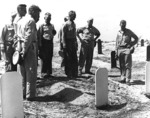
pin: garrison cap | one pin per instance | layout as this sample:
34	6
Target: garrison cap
90	19
47	13
66	18
122	22
13	14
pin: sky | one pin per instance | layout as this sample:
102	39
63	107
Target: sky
106	13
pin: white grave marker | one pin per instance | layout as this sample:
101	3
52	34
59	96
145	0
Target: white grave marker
12	95
147	77
101	87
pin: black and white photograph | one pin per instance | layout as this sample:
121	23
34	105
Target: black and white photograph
74	59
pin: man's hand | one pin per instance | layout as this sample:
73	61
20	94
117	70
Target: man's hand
76	46
132	50
22	53
116	55
84	41
64	44
95	43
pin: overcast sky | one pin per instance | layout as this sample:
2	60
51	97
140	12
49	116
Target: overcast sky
106	13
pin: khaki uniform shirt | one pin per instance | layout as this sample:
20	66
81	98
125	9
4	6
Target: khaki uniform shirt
124	41
27	31
88	33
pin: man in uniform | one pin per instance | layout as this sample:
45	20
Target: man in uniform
88	39
46	34
21	12
124	49
6	44
69	43
28	68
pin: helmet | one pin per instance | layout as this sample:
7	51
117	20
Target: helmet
16	58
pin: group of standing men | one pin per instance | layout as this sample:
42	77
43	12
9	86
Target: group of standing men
39	43
22	30
36	43
68	43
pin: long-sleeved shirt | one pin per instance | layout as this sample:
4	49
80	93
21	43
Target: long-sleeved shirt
124	39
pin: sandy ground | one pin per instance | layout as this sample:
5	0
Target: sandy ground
62	97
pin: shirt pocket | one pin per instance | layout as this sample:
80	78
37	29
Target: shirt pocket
126	39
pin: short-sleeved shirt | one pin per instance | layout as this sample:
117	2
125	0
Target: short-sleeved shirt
88	33
47	31
7	36
124	39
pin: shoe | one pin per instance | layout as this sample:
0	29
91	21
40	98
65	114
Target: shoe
39	78
47	76
88	72
24	97
43	75
30	99
80	73
129	81
69	76
123	79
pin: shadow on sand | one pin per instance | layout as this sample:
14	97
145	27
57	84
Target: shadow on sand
42	82
113	76
65	95
111	107
138	82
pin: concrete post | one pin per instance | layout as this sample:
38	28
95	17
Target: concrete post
12	95
147	77
142	42
148	53
101	87
99	46
113	59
